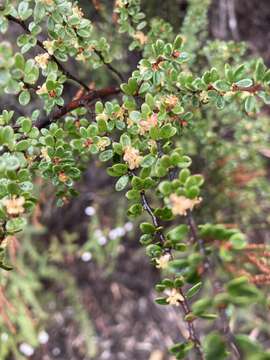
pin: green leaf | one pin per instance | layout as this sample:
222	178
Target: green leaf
121	183
24	97
147	228
250	104
193	290
106	155
259	71
221	85
148	161
178	233
167	131
238	241
244	83
215	347
15	225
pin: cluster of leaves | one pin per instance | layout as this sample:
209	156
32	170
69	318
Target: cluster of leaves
142	136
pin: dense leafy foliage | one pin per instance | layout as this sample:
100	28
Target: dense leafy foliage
177	104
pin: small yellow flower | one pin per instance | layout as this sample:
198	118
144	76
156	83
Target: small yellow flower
163	261
139	35
49	46
132	157
42	89
14	206
174	297
181	204
42	60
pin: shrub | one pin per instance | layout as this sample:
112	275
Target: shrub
182	101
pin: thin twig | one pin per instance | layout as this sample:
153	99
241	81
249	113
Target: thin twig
74	104
215	283
109	66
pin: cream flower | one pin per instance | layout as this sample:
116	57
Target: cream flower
81	57
103	143
49	44
139	35
181	204
120	113
44	154
119	3
163	261
77	11
14	206
204	98
132	157
102	116
42	60
171	101
146	125
42	90
174	297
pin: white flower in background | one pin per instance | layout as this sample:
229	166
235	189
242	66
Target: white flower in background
4	337
26	349
43	337
128	226
56	351
86	256
102	240
117	232
90	211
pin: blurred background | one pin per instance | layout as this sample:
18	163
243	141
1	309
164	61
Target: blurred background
82	285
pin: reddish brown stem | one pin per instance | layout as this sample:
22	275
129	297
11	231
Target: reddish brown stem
74	104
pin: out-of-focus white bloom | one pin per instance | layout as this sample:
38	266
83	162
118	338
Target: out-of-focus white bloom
98	233
26	349
116	233
102	240
56	351
86	256
4	337
128	226
90	211
43	337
